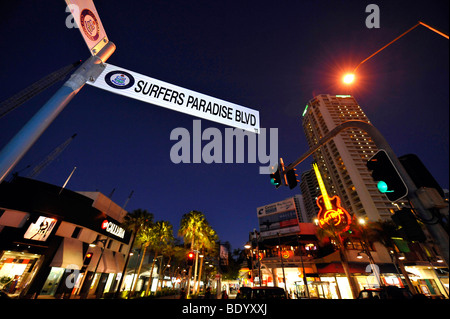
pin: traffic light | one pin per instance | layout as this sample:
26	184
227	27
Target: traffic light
275	177
419	174
190	258
385	173
408	225
292	178
87	259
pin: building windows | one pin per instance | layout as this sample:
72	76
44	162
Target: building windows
76	232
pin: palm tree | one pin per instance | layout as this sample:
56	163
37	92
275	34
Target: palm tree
384	232
330	232
137	219
161	236
144	238
194	228
207	244
135	222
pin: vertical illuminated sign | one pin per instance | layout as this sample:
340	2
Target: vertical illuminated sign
331	213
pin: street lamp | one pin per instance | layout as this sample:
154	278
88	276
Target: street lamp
248	246
349	78
94	244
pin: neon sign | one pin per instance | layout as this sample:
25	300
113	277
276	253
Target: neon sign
112	228
331	213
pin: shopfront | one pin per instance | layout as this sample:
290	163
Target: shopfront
17	270
43	255
429	280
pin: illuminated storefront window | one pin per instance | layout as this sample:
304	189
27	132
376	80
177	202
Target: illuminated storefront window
52	282
17	269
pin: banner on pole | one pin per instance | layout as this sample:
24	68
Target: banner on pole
137	86
88	21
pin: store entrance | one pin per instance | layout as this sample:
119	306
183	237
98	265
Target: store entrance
17	270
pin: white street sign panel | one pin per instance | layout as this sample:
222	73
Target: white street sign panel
88	21
137	86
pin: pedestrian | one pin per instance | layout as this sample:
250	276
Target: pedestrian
182	294
224	294
208	293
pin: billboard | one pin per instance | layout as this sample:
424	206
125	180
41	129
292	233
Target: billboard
279	217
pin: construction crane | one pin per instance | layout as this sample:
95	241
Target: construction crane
37	87
50	158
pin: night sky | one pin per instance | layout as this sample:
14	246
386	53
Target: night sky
265	55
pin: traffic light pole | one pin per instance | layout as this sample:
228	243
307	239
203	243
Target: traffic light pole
13	152
440	236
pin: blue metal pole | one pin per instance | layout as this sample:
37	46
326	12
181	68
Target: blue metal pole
13	152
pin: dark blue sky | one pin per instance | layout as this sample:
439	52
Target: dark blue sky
264	55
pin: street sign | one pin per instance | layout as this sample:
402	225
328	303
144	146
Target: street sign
140	87
88	21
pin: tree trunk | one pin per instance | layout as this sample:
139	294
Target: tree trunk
139	270
344	261
404	273
190	272
161	278
150	281
195	274
200	274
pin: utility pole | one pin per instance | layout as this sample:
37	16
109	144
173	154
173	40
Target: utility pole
13	152
34	89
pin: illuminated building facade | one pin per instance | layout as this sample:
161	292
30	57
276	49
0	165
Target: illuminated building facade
342	161
56	243
310	191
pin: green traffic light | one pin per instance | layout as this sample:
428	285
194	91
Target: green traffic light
383	187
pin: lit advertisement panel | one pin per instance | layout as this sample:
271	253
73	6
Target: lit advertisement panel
279	217
41	229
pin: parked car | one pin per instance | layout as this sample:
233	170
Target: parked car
387	292
261	293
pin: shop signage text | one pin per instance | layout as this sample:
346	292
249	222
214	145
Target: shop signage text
114	229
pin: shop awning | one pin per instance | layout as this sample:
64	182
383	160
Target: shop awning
336	268
107	263
69	254
120	261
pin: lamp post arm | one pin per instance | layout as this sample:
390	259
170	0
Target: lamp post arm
384	47
409	30
433	29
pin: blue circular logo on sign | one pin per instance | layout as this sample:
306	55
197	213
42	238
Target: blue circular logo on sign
119	79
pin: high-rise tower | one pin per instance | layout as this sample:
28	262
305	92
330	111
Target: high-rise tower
342	161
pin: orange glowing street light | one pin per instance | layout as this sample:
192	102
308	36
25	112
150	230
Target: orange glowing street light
349	78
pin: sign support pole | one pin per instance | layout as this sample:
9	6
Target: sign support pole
13	152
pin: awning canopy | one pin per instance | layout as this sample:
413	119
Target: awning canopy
120	261
107	263
336	267
69	254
